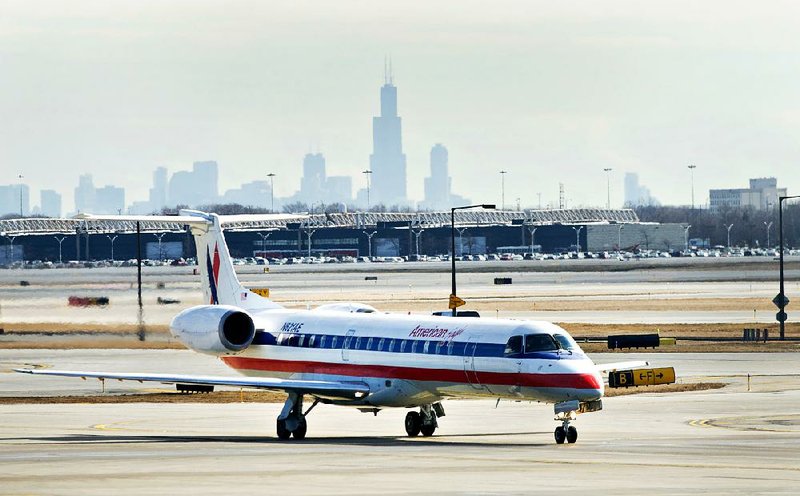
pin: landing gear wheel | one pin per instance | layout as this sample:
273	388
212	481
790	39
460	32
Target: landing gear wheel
572	435
560	434
283	432
413	424
300	432
428	429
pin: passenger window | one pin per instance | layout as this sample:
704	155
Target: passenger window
514	346
358	343
334	340
301	341
450	348
369	344
403	346
391	345
539	342
311	341
380	344
414	346
322	341
425	346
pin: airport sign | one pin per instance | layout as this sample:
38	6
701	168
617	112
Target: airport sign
641	377
781	316
778	298
456	302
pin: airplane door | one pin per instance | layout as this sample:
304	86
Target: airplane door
469	362
348	340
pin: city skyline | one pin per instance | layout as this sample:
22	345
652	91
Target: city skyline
647	89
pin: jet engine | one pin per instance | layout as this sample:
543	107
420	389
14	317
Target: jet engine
214	329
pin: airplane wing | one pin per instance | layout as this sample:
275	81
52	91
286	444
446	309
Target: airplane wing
608	367
322	388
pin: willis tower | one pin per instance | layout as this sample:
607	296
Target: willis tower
388	162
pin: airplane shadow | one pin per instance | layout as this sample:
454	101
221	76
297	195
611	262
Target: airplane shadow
379	441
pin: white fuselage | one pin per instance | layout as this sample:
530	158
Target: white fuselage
416	360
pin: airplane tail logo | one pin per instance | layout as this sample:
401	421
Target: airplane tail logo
212	267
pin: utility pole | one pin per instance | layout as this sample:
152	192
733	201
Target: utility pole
608	187
503	189
768	226
577	239
112	239
729	235
367	173
20	195
692	167
310	233
686	236
60	240
271	177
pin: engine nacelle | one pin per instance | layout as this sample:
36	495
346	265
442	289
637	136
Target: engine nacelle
214	329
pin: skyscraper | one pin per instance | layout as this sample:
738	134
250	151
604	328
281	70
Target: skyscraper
388	162
51	203
437	187
158	193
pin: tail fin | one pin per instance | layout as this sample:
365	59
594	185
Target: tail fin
218	279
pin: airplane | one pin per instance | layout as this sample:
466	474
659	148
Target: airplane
350	354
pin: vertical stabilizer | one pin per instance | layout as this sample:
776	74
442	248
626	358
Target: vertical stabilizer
218	278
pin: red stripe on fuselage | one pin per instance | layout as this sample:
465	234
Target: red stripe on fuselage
575	381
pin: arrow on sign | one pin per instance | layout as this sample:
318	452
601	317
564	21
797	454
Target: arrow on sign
641	377
456	302
778	298
660	375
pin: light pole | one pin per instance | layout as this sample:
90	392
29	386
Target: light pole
577	239
532	230
159	236
540	200
503	189
271	177
461	231
729	234
686	236
608	187
781	299
692	167
453	246
768	226
417	234
60	240
367	173
369	242
20	195
112	239
619	238
310	233
263	243
10	257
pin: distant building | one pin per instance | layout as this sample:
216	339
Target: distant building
438	187
388	162
762	194
195	187
50	203
105	200
317	187
10	199
85	194
109	200
637	195
158	193
253	194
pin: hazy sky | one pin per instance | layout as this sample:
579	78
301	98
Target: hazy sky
549	91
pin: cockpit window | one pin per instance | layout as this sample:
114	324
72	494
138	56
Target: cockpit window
514	346
565	342
540	342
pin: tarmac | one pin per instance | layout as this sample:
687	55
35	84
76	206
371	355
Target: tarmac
725	441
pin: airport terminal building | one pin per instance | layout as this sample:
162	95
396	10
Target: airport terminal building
349	234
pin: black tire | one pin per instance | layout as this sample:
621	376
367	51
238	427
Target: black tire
560	434
283	433
413	424
300	432
428	430
572	435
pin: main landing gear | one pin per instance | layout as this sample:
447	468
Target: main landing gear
565	432
292	421
424	421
